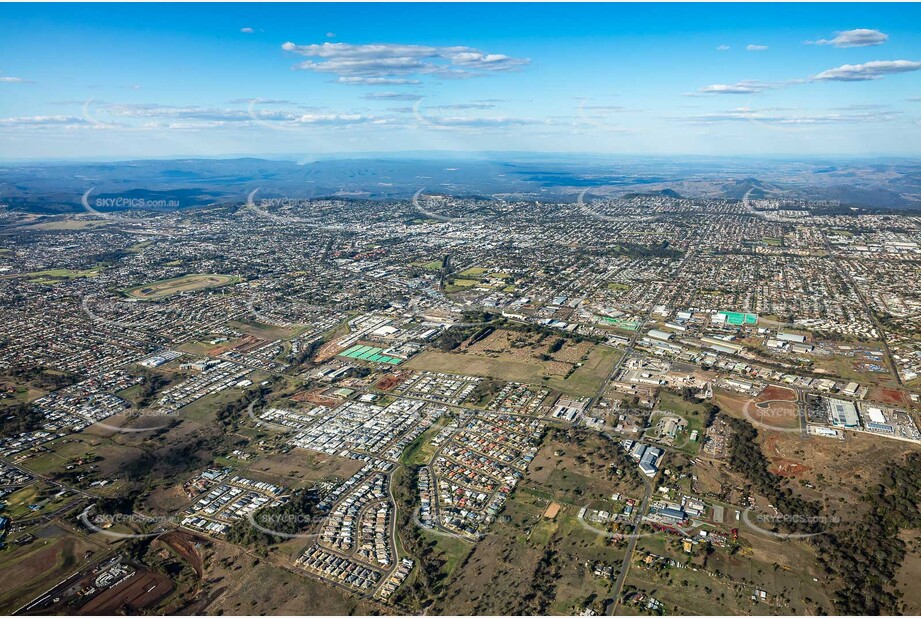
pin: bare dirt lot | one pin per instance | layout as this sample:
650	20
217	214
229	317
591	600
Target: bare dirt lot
142	590
889	396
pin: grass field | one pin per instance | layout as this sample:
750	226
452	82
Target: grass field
503	574
474	271
68	224
433	265
55	275
583	381
187	283
39	565
721	583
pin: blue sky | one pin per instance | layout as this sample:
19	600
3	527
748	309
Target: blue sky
118	81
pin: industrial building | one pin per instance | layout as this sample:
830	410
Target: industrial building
843	413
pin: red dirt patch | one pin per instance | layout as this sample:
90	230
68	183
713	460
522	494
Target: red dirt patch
787	468
388	382
184	545
781	415
328	351
779	464
889	396
317	397
777	393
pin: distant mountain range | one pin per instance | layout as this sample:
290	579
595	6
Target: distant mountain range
189	183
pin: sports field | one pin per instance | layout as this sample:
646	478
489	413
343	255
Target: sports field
738	319
186	283
370	353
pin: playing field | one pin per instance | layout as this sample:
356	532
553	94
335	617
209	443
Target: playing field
738	319
187	283
370	353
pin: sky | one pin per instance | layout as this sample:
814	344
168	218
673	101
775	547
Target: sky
118	81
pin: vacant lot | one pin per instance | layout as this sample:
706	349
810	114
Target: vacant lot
38	566
187	283
255	588
303	468
528	564
784	572
575	467
513	367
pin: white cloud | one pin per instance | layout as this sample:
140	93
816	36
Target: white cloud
330	35
783	116
14	80
392	96
378	81
42	121
860	37
398	64
261	101
744	87
867	71
722	48
157	116
247	30
463	106
756	47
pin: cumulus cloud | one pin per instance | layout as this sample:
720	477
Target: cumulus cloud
247	30
867	71
397	64
756	47
722	48
860	37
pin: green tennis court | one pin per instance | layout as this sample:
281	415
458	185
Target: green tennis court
370	354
